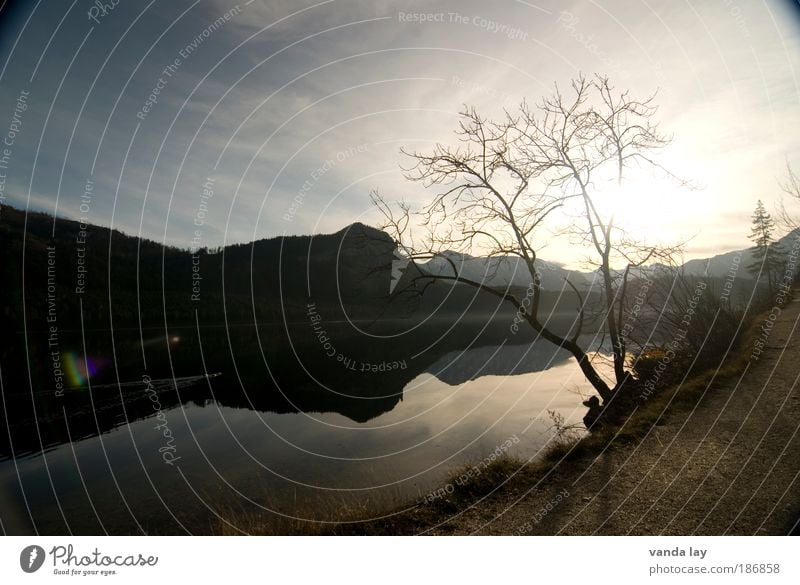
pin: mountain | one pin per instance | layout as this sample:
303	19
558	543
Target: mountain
501	272
295	323
288	324
505	271
98	265
734	263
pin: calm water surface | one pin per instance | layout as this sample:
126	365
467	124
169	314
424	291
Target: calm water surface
200	464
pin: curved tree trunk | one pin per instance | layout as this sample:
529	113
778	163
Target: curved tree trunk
571	346
581	356
611	323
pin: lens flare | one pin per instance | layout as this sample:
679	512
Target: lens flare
79	370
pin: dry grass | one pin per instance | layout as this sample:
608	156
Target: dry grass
312	516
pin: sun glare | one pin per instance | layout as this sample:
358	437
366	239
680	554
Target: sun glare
647	208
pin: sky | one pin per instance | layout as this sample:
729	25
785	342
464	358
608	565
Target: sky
210	122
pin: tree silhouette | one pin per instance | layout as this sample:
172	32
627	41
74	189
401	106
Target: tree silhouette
509	179
767	254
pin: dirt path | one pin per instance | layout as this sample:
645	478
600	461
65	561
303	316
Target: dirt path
730	466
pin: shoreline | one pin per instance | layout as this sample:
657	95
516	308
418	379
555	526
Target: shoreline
596	484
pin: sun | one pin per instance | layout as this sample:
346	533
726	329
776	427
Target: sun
648	209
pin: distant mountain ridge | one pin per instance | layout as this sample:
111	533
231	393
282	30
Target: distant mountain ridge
353	264
505	271
511	270
734	261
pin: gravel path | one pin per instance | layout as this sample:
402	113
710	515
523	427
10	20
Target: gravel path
730	466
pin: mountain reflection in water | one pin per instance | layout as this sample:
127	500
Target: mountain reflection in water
304	435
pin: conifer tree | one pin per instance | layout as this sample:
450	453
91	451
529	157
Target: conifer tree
767	255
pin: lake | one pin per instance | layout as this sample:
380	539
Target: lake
192	454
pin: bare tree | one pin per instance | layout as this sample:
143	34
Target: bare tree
790	185
507	180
